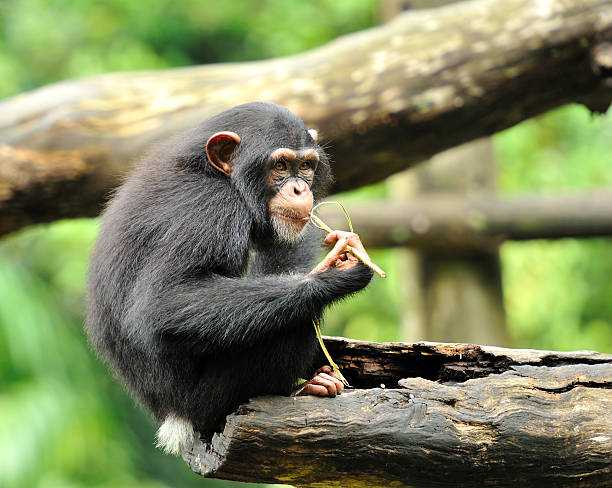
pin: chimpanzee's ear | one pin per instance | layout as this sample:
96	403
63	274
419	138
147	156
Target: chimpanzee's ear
314	134
220	149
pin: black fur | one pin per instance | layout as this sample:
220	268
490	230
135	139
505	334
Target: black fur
175	307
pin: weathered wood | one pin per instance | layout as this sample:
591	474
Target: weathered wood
383	99
38	187
429	415
456	223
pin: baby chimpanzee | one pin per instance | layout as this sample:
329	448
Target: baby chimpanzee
202	291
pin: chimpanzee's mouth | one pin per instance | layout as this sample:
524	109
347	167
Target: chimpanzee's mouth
291	217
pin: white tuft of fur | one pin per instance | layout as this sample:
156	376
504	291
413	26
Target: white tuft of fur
287	231
175	435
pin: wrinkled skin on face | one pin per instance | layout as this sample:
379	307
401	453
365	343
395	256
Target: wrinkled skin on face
291	175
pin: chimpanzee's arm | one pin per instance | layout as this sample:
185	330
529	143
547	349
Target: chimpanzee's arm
221	312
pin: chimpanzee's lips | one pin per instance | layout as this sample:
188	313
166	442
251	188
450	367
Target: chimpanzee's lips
292	218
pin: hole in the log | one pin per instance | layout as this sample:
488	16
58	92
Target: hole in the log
368	373
368	365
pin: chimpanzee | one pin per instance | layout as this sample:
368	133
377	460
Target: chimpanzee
202	291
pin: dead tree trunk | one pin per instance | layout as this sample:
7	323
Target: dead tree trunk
387	98
429	415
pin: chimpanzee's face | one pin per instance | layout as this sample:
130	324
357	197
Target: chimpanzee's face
290	176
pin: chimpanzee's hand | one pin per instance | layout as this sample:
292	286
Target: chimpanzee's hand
323	383
338	258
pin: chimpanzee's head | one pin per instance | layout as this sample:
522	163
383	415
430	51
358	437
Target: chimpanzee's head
273	160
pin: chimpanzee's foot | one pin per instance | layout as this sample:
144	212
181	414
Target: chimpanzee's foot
323	383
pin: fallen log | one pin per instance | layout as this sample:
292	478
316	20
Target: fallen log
429	415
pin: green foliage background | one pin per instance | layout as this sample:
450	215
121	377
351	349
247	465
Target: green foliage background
63	421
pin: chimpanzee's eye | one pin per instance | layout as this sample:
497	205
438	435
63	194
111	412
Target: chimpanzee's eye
305	166
280	165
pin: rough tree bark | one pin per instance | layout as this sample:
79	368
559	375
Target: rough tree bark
429	415
383	98
462	224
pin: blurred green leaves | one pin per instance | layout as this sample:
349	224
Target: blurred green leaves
558	293
42	41
563	151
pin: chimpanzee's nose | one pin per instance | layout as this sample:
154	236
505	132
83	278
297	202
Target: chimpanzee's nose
299	187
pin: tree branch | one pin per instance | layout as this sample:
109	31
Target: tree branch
457	223
383	99
448	415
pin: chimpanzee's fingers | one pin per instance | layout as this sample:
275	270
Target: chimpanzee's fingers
310	389
355	242
337	250
329	370
335	235
327	381
323	383
332	237
332	377
329	261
